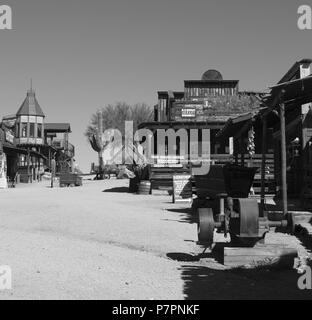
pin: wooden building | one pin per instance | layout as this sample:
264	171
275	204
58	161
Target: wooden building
204	104
298	119
57	138
30	136
285	123
34	143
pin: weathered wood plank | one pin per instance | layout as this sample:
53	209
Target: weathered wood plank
260	255
260	251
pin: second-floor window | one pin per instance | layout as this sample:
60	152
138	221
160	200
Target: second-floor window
39	130
31	130
24	130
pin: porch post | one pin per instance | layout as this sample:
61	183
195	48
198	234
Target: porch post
264	151
235	142
283	155
28	166
242	151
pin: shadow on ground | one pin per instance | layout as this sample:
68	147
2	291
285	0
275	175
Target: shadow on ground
187	215
117	190
215	254
261	283
304	237
203	283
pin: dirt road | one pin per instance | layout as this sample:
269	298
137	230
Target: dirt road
99	242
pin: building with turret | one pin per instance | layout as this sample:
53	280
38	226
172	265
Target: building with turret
35	142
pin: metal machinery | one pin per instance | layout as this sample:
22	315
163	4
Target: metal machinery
241	220
238	216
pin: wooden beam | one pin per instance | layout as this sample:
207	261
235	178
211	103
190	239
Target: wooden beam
236	146
28	165
261	255
242	151
263	165
284	158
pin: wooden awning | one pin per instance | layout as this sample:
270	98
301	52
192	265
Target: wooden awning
235	125
292	92
12	149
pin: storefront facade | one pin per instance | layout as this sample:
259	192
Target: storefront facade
204	104
28	146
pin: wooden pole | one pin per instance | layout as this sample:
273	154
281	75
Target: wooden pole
28	166
264	151
100	133
284	159
235	151
53	169
242	150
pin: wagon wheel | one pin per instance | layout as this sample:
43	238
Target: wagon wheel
206	226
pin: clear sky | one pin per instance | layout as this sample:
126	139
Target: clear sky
84	54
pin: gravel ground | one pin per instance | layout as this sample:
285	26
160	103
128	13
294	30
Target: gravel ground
99	242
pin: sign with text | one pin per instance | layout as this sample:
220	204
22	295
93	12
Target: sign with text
3	169
189	113
9	137
182	188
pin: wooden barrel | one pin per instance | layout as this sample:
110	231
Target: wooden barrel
134	184
144	187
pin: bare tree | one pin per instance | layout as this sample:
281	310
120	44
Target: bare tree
114	117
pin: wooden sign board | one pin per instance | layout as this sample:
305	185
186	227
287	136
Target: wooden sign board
182	188
3	169
188	113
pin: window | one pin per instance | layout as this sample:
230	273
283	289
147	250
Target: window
39	130
31	130
18	130
24	130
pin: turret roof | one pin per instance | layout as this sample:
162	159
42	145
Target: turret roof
30	106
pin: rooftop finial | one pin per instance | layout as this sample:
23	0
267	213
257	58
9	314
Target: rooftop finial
31	92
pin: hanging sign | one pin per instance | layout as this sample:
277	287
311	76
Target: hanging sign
3	169
9	137
189	113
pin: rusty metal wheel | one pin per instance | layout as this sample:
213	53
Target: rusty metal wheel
206	226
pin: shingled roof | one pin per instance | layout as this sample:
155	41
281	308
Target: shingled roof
57	127
30	106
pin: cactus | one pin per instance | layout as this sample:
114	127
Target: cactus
97	143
